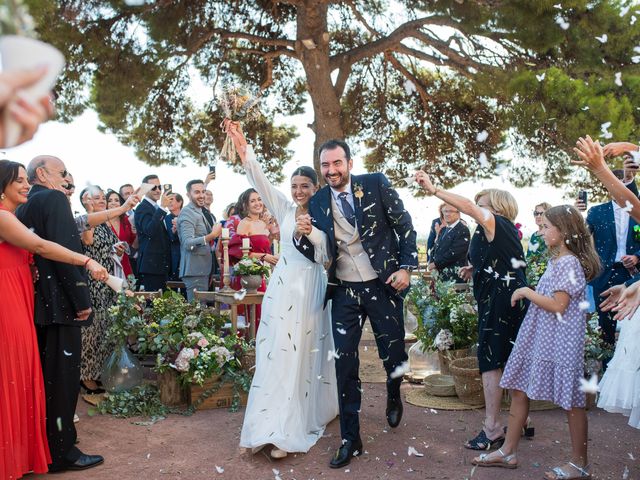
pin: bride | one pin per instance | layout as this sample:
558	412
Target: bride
620	385
293	395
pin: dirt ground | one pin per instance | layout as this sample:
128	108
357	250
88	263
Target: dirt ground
191	447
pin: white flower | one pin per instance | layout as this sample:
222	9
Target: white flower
184	357
444	340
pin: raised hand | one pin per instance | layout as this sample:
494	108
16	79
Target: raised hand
232	129
628	303
87	202
131	202
303	225
615	149
590	153
425	182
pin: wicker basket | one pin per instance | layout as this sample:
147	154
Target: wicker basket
467	380
447	356
439	385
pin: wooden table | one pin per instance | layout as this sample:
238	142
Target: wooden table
250	300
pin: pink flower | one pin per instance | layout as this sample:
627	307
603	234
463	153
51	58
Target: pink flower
203	342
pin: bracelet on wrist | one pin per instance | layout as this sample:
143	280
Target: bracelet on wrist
86	262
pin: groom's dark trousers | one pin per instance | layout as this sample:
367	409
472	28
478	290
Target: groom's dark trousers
352	303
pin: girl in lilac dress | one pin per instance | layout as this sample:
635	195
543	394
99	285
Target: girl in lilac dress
547	361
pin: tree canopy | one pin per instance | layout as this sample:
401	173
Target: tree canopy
442	84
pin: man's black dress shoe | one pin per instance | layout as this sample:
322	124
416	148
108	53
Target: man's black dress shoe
84	462
394	411
343	456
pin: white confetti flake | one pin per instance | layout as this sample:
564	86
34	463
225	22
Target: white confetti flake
489	270
341	331
413	451
148	456
482	159
589	386
68	354
624	10
572	277
627	206
603	38
508	278
562	22
559	317
633	19
631	457
433	411
276	474
400	370
410	180
219	469
482	136
541	76
604	129
584	305
239	295
534	246
558	6
516	263
409	87
618	79
331	354
625	473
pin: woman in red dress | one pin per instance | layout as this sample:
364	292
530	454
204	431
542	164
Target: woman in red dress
250	209
23	435
122	228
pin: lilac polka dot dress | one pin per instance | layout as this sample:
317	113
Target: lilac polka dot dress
547	361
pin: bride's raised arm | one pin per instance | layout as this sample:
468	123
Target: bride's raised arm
276	201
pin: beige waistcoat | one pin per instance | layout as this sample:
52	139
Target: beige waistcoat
352	264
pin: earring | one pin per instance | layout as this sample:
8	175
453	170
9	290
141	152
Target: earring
2	197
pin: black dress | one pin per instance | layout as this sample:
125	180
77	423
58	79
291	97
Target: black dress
494	281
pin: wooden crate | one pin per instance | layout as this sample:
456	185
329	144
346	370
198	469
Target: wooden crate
222	398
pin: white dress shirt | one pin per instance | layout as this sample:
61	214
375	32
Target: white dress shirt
622	229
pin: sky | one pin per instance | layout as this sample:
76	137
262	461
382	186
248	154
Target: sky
94	157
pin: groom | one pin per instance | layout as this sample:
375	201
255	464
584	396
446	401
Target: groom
373	249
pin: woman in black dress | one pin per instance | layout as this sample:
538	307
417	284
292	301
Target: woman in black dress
498	269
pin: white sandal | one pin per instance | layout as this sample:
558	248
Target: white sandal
503	461
560	474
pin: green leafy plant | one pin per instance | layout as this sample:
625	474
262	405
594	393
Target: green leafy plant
251	266
142	401
596	350
448	316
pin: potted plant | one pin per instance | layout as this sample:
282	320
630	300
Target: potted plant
122	371
251	271
449	319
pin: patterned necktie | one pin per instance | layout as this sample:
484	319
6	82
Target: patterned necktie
347	209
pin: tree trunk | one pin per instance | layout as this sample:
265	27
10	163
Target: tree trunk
312	31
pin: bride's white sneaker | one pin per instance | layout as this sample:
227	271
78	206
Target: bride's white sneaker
277	453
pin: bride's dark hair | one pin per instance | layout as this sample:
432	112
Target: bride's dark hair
308	172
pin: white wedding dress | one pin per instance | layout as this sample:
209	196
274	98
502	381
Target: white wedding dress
293	395
620	385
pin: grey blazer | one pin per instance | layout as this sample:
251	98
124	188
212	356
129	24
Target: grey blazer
195	252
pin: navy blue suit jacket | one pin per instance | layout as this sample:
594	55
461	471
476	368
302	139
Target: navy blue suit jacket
601	222
154	250
385	227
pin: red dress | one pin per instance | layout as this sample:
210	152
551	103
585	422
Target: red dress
125	235
259	244
23	430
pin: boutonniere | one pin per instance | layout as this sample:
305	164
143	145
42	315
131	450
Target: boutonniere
357	192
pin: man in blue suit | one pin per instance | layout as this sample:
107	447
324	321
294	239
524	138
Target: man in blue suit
154	248
372	245
617	240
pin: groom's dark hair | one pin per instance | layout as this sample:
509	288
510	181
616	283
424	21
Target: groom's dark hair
333	144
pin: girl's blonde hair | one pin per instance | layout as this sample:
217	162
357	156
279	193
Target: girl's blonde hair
501	202
544	205
576	237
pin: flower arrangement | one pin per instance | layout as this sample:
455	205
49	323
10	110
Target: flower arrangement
448	317
595	348
238	105
16	20
251	266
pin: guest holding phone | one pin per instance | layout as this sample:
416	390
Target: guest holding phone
121	227
176	202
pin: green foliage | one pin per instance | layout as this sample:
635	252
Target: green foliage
595	348
414	94
443	310
142	401
251	266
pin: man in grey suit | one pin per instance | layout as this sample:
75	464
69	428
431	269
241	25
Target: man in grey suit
196	234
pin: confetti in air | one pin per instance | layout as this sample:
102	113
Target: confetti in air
482	158
516	263
239	295
482	136
589	386
541	76
618	79
219	469
603	38
562	22
409	87
584	305
400	370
